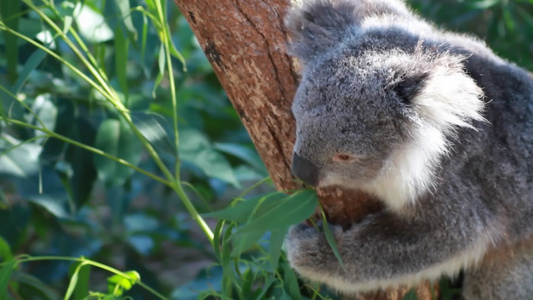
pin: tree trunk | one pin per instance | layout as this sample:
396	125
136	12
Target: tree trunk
245	42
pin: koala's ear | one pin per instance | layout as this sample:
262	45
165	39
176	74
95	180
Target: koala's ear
316	25
409	86
448	97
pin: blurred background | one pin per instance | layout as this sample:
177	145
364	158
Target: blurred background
59	200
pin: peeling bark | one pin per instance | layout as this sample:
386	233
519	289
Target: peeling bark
245	42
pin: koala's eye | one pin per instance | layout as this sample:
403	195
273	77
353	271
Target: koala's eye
343	158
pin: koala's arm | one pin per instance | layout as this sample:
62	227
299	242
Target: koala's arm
438	236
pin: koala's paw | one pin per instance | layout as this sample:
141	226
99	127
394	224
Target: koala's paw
308	250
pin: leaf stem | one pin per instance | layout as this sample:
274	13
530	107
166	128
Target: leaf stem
177	186
83	260
89	148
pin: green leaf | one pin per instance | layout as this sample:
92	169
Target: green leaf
118	284
22	161
46	110
15	222
174	52
3	199
245	241
121	59
125	14
66	9
246	154
31	64
144	37
265	288
79	281
294	209
115	138
277	237
72	284
30	285
141	243
55	206
5	275
331	239
84	172
411	295
247	279
92	26
217	241
54	149
196	149
484	4
208	279
9	12
162	60
152	126
291	283
5	250
225	253
243	210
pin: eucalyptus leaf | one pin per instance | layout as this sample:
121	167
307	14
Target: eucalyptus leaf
125	16
143	244
245	153
5	250
116	138
31	285
196	148
294	209
80	289
72	285
5	274
277	237
3	199
46	110
245	241
54	149
31	64
291	283
244	210
411	295
155	129
118	284
84	173
66	9
9	11
331	240
121	60
55	206
46	189
207	279
20	162
92	25
15	221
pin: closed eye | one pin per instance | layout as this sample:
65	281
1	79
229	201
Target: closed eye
344	158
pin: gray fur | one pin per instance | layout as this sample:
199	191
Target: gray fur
380	85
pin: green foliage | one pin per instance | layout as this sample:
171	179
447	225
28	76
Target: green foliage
117	143
506	26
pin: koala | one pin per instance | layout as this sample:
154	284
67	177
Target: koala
431	123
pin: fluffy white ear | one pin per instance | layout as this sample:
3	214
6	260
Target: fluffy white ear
445	98
449	97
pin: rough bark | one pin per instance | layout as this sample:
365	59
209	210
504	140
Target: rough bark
245	42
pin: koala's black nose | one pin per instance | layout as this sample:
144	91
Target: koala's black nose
304	169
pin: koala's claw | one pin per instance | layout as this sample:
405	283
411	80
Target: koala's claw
308	248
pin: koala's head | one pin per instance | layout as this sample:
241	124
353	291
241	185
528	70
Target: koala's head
369	114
